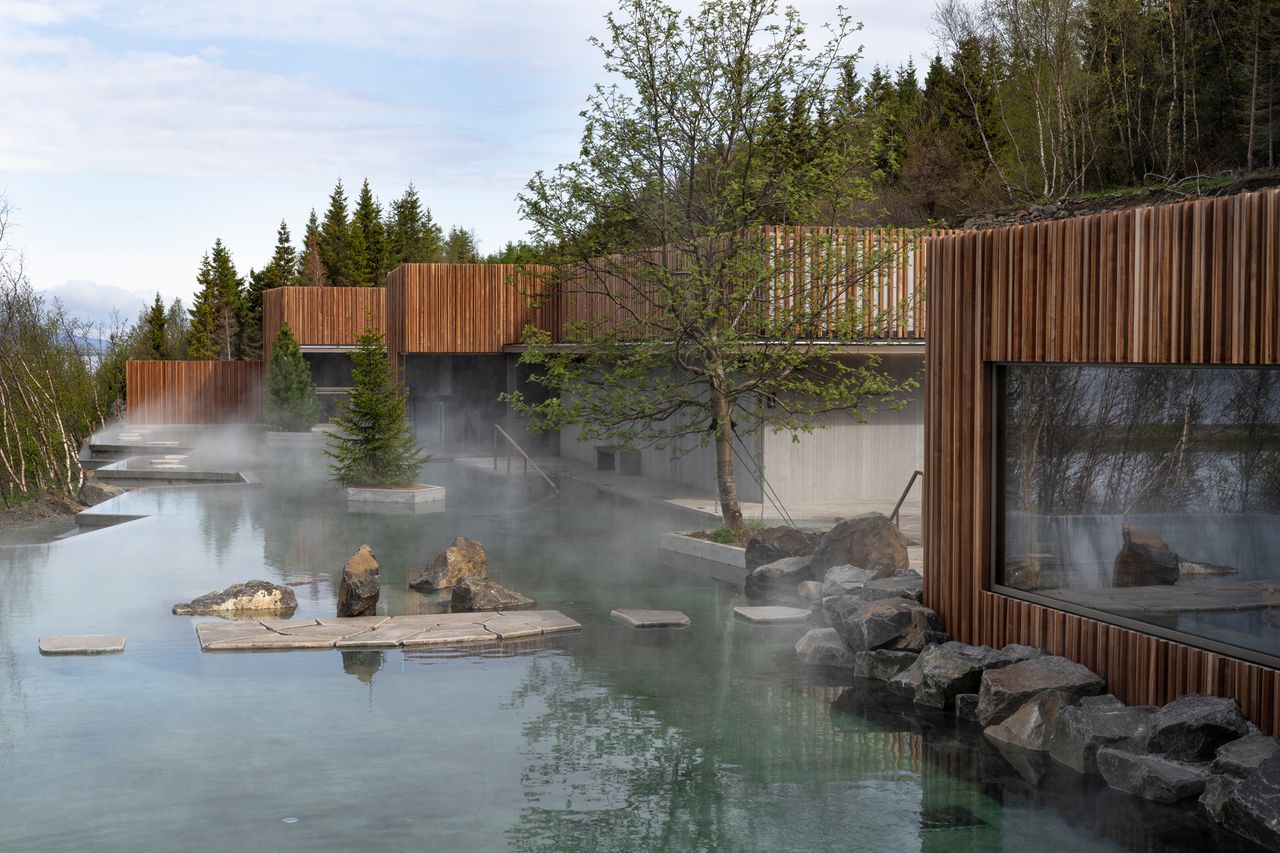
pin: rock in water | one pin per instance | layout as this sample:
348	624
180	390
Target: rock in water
777	581
93	492
250	597
1152	777
471	594
1193	727
775	543
868	541
1005	690
465	558
1145	560
360	586
892	623
1029	726
1253	808
950	669
823	647
1080	731
881	664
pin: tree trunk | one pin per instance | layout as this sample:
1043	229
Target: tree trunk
726	487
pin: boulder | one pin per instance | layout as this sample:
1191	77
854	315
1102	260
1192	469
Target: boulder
881	664
471	594
1253	808
949	669
1106	700
777	580
1029	726
967	707
1004	690
1217	790
1145	560
1241	757
823	647
907	682
92	492
254	596
1079	732
360	585
869	541
1152	777
906	585
809	591
893	623
775	543
1193	727
465	558
845	580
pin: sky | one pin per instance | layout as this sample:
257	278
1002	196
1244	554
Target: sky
135	132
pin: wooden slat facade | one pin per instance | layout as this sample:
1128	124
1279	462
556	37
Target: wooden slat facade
193	392
321	315
463	308
1190	283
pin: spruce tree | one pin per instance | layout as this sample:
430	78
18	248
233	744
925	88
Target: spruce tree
335	240
153	341
412	236
177	330
292	405
460	247
218	315
280	271
375	444
310	268
367	231
200	343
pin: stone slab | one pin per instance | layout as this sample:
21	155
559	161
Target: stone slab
387	636
82	644
333	632
419	494
450	635
550	621
359	621
287	624
651	618
509	626
220	632
773	614
272	640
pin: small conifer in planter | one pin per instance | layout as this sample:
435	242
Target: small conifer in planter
291	395
375	445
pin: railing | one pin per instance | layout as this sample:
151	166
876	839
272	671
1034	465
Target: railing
499	431
893	516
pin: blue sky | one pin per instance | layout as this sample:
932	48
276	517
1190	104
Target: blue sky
137	132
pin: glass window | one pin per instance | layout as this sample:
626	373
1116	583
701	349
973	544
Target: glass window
1150	493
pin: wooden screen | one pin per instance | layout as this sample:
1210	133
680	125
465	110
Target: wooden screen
321	315
1190	283
193	392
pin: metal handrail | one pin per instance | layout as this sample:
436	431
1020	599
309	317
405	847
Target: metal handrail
893	516
499	431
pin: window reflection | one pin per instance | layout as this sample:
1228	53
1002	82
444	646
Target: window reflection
1149	492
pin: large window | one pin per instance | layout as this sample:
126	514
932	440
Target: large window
1146	493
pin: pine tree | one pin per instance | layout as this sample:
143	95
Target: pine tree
375	444
369	234
335	241
460	247
218	315
177	329
292	405
153	341
412	236
310	268
280	271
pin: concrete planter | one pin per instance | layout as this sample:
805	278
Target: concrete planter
703	549
419	493
294	439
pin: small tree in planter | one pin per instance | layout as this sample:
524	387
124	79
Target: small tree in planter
291	395
375	445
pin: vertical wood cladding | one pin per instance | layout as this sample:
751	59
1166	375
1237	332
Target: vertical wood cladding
1190	283
321	315
193	392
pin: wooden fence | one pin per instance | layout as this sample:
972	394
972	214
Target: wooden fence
333	316
1192	283
193	392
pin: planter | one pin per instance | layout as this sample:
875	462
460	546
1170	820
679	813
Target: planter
419	493
704	549
294	439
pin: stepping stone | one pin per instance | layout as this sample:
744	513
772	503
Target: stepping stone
511	626
82	644
652	618
550	621
223	631
772	614
286	624
360	621
332	632
449	635
388	635
272	640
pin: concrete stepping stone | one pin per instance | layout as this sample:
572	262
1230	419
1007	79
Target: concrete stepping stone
82	644
450	635
385	636
511	627
359	621
272	640
223	631
333	632
550	621
772	614
286	624
651	618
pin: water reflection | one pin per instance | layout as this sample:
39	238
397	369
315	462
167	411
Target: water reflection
363	664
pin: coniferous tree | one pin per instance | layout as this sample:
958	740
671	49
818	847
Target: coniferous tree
460	247
368	233
375	444
177	328
280	271
153	340
292	405
412	236
218	315
335	241
310	267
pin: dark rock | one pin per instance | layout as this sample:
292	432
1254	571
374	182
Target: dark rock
1193	727
967	707
1106	700
909	585
471	594
254	596
92	492
777	580
465	558
1079	732
823	647
1145	560
1152	777
809	591
360	585
1217	791
845	580
1253	808
894	623
949	669
1241	757
774	543
881	664
1029	726
907	682
1004	690
869	541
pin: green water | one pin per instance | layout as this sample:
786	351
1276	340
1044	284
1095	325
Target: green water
708	738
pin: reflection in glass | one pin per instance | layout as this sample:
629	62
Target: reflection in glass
1148	492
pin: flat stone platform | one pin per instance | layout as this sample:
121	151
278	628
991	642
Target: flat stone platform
773	614
380	632
82	644
651	618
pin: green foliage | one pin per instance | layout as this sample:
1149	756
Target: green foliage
280	271
292	405
375	444
218	316
460	247
412	236
310	267
368	240
334	241
725	536
153	334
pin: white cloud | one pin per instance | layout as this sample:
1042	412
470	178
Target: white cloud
99	304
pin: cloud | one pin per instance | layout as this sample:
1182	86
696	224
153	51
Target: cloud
101	305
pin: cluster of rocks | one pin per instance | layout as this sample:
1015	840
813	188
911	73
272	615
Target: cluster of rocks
463	568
